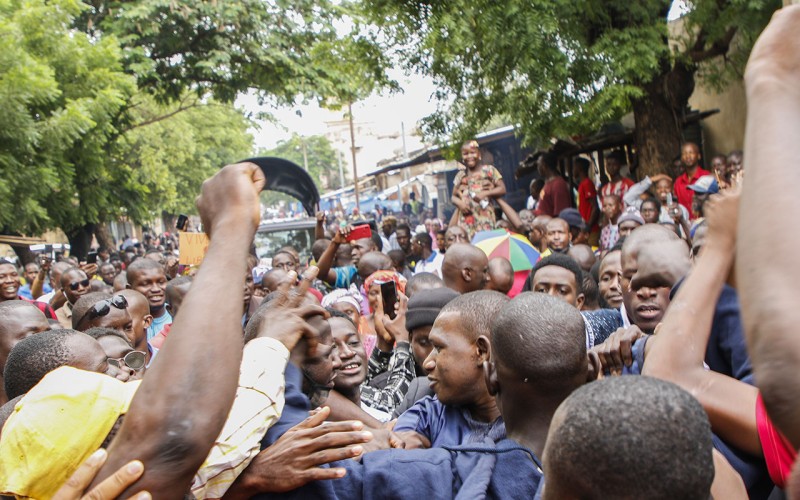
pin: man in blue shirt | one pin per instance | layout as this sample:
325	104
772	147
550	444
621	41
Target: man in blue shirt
147	277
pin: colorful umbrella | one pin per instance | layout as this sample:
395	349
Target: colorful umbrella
514	247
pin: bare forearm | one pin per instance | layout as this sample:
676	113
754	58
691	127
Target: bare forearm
37	287
769	311
326	262
201	358
513	216
344	409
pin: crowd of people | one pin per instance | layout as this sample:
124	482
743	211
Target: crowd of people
648	353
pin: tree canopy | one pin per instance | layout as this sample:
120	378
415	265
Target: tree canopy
561	68
116	109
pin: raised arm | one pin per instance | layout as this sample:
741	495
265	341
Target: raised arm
677	350
768	290
185	397
326	259
513	216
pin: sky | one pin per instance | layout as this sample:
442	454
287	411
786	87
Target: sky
378	116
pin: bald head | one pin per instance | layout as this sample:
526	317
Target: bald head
373	261
465	268
583	255
501	275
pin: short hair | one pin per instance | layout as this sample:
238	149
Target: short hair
83	304
152	251
335	313
9	309
583	164
424	239
632	437
654	201
550	160
618	155
541	338
404	227
476	311
377	240
98	332
34	357
319	247
422	281
564	261
285	252
141	265
591	291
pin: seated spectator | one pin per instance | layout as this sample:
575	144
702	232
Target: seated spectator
462	411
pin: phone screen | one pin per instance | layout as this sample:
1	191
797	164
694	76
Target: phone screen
91	258
389	296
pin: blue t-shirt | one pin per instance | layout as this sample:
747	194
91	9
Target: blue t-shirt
345	276
158	324
446	425
25	290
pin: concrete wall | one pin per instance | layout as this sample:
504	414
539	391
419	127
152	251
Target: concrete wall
723	132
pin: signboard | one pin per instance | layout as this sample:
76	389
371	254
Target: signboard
193	247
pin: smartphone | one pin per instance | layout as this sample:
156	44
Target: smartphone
389	296
183	220
359	232
91	258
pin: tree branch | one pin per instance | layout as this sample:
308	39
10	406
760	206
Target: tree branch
718	48
157	119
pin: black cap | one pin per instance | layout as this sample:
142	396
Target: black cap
425	305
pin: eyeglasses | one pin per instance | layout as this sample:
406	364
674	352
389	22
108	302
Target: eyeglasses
77	284
103	307
134	360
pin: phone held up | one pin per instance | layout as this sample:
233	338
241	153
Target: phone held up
389	297
182	222
359	232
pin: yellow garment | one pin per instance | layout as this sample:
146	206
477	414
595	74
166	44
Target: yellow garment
56	426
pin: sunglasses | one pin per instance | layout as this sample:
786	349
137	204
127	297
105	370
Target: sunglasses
77	284
134	360
103	307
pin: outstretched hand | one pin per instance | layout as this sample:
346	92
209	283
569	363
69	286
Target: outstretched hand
295	459
286	317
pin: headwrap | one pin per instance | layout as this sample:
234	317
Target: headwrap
383	276
56	426
350	295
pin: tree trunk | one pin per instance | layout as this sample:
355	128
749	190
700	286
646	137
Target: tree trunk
24	253
103	235
80	239
659	121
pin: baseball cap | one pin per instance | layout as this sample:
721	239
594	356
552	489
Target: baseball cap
573	218
631	213
706	184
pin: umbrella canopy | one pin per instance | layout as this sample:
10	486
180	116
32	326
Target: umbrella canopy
514	247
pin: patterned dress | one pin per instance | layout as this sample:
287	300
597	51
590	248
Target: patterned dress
467	185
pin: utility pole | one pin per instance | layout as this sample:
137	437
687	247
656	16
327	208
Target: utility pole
353	151
341	171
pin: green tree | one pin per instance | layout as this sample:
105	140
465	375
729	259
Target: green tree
562	68
316	152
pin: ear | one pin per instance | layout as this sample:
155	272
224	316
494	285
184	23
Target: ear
595	368
466	274
490	378
580	300
484	348
128	285
148	320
